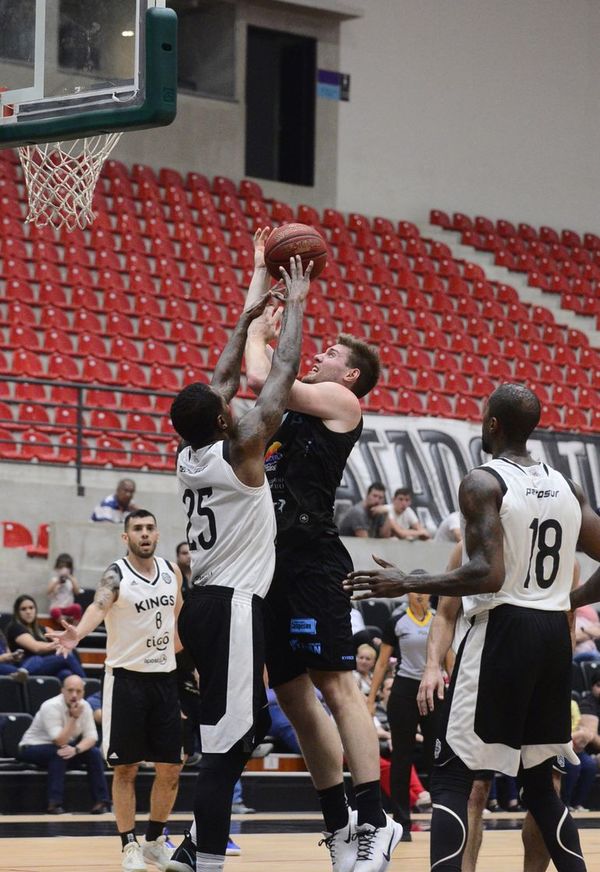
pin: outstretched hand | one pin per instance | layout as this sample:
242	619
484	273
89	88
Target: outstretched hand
65	640
384	583
296	281
260	238
432	688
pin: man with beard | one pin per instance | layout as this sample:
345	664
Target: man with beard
509	701
138	598
307	613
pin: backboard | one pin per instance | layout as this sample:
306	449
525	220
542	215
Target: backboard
71	68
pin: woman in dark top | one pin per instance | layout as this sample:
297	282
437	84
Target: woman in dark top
25	633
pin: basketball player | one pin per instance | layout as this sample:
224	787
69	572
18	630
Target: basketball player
509	700
138	598
231	533
308	628
448	628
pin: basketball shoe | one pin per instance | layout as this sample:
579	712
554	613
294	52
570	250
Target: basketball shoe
133	859
342	845
184	858
375	846
157	853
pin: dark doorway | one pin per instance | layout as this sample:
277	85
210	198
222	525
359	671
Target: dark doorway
280	106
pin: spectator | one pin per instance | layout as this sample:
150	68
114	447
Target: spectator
10	661
405	635
24	633
366	656
590	715
587	631
404	522
281	729
115	507
184	562
95	703
369	517
580	779
449	530
63	587
63	735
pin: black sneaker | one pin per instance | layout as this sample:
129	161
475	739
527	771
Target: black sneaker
184	857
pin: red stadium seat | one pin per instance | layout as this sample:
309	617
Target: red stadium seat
95	370
62	367
438	405
575	419
23	337
26	363
550	418
467	409
409	403
15	535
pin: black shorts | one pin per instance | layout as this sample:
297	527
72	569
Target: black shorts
141	718
307	612
222	630
510	696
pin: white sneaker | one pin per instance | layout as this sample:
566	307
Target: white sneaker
341	845
157	853
133	859
375	846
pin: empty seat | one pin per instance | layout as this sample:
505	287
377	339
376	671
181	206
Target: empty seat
13	726
15	535
11	695
38	689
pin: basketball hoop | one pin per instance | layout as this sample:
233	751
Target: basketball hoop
61	177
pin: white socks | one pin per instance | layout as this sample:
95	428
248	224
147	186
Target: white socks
209	863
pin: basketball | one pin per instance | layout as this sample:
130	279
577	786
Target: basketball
292	239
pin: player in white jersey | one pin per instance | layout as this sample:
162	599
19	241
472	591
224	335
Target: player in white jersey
138	598
231	533
509	702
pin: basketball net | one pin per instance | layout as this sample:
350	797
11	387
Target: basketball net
61	177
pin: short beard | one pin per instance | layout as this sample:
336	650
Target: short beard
143	555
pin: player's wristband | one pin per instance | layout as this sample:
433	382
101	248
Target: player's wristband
77	751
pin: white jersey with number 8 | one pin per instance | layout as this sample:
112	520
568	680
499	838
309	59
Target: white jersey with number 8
231	526
541	518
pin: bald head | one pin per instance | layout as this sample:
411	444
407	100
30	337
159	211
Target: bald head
511	414
73	689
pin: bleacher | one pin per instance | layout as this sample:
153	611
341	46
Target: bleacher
98	329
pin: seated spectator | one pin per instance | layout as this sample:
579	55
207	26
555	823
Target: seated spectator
95	703
369	517
115	507
580	779
449	530
24	633
63	587
63	736
587	631
404	522
366	656
10	661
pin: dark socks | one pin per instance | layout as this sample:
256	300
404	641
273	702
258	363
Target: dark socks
368	804
334	807
127	837
154	830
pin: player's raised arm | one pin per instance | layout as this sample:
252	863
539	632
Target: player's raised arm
247	447
480	498
226	376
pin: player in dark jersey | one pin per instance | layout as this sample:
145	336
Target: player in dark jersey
308	631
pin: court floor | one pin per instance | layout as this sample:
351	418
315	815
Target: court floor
270	842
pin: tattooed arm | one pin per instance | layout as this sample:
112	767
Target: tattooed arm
106	594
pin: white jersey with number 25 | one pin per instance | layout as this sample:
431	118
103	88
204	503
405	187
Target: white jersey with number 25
541	519
231	527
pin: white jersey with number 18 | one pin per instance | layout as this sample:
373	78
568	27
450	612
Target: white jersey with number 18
541	519
231	526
